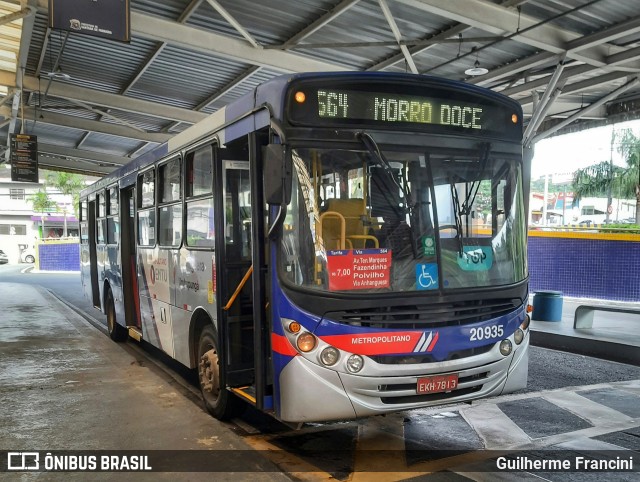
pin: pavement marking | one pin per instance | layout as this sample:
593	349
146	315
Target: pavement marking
632	386
388	462
584	443
499	476
593	412
496	430
290	464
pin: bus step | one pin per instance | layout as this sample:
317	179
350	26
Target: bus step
135	333
248	393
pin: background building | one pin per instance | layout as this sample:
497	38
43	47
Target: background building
20	226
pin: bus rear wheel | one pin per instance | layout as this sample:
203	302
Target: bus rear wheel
219	401
116	332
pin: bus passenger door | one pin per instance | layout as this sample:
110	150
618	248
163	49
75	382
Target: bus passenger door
93	254
128	252
235	266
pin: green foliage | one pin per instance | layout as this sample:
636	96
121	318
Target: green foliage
594	181
68	184
604	178
622	228
41	202
538	186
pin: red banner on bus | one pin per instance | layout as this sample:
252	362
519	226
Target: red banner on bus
358	269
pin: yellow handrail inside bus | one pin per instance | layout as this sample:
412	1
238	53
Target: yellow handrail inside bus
238	289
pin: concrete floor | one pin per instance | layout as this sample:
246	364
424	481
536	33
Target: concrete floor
48	394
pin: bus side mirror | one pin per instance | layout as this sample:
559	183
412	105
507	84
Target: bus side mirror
277	174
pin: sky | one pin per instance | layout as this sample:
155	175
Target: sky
566	153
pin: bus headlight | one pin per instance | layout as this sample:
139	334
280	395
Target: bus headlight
306	342
355	363
329	356
525	323
518	336
505	347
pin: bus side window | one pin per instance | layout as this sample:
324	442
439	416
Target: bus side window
147	211
101	227
199	193
113	220
170	209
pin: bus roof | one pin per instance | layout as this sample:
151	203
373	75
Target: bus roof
270	94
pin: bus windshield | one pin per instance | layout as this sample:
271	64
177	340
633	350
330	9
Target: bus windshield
401	221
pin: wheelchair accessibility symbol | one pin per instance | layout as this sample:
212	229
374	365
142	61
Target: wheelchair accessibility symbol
427	276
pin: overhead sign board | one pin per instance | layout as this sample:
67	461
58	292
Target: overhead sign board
24	158
101	18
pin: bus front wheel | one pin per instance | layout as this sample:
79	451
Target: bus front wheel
219	401
116	331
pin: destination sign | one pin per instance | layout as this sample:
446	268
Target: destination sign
380	107
421	104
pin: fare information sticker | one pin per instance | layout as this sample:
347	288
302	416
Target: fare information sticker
358	269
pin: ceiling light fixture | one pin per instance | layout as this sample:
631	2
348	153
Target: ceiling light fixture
59	75
476	70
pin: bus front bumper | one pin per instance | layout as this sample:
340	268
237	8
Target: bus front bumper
313	393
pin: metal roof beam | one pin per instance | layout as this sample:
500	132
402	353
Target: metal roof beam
531	62
92	156
73	122
546	101
499	20
398	36
447	34
626	28
80	166
211	43
200	40
320	22
632	83
234	23
191	8
229	86
584	85
115	101
613	62
219	93
435	39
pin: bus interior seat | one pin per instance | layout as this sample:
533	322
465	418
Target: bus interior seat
357	224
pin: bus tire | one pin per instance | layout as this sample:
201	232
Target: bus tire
116	331
219	401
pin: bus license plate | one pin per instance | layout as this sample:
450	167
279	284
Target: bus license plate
437	384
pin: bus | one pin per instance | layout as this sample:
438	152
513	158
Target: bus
328	247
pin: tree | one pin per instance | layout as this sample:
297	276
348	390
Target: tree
42	203
629	182
604	177
69	185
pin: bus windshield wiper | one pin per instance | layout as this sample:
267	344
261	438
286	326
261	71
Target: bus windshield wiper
378	157
465	209
457	214
470	198
376	153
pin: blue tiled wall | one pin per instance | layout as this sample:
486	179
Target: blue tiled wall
59	257
585	268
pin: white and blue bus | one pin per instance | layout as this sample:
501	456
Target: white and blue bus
329	246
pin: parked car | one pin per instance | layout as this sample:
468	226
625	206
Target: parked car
4	259
28	256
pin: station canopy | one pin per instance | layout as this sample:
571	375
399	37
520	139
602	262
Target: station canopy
95	103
